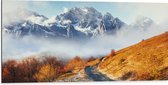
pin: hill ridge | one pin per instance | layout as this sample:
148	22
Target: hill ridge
145	60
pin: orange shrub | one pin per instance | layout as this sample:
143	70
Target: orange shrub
32	70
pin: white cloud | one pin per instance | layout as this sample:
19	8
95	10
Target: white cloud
36	19
13	11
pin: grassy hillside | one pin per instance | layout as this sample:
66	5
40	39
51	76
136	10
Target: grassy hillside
146	60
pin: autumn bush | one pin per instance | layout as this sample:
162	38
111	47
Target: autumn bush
49	69
76	62
46	73
32	70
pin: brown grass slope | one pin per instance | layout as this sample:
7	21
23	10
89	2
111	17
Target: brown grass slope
147	60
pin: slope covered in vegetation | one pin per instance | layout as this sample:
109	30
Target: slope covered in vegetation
147	60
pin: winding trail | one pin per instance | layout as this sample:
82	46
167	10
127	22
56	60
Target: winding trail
93	74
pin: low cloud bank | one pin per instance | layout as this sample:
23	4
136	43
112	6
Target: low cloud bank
64	49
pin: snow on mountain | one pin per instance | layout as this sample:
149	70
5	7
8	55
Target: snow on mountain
36	19
89	21
81	17
112	24
82	23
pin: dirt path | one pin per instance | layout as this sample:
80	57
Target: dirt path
93	74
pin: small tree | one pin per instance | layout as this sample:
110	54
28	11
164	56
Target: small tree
53	61
49	69
75	62
9	71
46	73
27	69
91	59
113	52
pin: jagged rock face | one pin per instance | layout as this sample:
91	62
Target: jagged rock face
147	60
85	17
82	23
111	23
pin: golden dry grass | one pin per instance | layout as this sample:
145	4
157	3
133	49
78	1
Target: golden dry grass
147	60
93	62
66	75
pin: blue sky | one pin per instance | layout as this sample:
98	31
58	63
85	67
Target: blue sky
125	11
52	8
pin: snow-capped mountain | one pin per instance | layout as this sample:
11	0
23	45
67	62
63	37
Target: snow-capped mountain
111	24
142	23
76	23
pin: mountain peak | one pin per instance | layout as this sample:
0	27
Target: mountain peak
90	9
108	16
143	19
142	22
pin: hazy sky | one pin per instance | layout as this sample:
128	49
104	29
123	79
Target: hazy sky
127	12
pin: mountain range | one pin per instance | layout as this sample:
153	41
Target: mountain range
76	23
